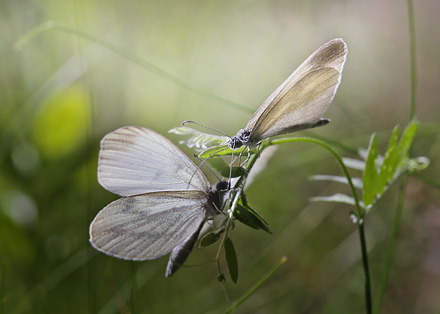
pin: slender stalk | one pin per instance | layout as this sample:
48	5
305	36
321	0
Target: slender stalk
2	286
427	180
368	298
224	235
243	298
132	294
412	46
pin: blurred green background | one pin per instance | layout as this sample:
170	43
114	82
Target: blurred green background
61	93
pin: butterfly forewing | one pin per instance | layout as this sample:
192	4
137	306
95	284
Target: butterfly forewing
147	226
289	108
307	102
135	160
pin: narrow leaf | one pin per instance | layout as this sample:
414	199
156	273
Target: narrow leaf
250	218
338	198
357	182
254	288
243	201
209	238
231	259
247	215
355	164
390	163
407	138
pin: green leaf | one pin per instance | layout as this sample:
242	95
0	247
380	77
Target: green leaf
355	164
390	162
231	259
248	216
370	173
338	198
210	238
224	150
223	168
407	139
408	135
378	172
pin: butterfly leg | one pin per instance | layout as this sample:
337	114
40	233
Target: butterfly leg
248	156
230	171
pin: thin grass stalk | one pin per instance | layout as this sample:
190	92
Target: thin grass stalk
49	25
412	46
254	288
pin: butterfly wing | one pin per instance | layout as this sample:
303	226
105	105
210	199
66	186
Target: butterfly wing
147	226
136	160
302	99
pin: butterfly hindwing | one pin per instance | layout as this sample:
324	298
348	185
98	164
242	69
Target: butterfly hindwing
147	226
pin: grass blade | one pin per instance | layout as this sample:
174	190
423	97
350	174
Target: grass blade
257	285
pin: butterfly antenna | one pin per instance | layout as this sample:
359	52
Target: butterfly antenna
203	162
210	170
204	126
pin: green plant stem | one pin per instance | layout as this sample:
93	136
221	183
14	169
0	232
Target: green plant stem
360	211
2	286
235	305
391	244
412	44
49	25
427	180
224	235
368	298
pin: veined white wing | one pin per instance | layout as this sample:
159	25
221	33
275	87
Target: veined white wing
148	226
136	160
301	100
309	89
301	107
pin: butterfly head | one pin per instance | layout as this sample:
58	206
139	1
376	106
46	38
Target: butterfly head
241	138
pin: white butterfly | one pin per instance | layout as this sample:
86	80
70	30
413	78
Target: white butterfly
301	100
166	198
